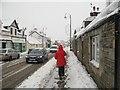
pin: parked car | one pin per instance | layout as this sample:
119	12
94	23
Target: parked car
9	54
53	48
48	50
37	55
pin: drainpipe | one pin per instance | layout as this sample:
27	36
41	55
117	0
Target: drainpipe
117	52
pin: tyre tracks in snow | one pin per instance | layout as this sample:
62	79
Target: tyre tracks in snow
13	73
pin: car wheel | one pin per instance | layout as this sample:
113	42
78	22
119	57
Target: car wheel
43	60
47	57
39	61
10	58
27	61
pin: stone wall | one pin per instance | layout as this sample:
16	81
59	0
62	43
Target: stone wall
104	75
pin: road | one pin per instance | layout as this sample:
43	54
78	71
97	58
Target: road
14	72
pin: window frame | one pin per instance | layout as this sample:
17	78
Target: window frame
95	50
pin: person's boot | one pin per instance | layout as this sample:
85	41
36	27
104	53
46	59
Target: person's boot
60	78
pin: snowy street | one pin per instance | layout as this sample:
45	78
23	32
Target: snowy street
54	44
45	77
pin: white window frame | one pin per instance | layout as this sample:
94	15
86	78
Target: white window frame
95	51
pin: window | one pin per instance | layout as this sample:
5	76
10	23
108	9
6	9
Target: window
11	30
36	45
15	31
95	49
3	45
23	33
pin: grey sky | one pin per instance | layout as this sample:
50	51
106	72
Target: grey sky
48	14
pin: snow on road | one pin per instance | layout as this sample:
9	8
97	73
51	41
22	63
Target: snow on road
39	76
77	76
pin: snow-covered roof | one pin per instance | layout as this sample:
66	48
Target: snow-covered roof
0	22
7	22
33	40
3	29
112	9
90	18
79	32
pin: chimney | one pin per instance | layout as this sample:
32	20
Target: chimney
94	12
97	9
35	28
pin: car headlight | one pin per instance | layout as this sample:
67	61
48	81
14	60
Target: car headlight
39	56
26	56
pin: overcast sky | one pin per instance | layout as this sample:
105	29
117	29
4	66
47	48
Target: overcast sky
48	14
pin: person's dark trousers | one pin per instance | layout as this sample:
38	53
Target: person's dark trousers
61	71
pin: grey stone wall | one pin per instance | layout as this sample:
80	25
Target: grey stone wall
104	75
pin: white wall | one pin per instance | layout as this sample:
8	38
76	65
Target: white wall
0	26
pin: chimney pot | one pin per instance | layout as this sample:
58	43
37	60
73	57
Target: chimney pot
93	8
97	8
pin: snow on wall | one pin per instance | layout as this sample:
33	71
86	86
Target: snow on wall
112	9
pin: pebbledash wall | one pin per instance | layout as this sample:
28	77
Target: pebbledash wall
107	74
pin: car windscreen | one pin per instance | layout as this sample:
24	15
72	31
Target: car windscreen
36	51
3	51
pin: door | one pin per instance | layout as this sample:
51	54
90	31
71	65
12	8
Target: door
20	47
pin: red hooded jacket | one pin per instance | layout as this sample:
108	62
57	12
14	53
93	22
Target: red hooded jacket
59	56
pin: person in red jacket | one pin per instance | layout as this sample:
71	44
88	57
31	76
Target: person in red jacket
61	62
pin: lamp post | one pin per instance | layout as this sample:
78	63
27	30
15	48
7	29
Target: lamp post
44	28
70	29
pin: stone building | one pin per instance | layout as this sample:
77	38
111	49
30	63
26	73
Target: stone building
98	46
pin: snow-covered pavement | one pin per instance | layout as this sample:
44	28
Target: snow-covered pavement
45	77
77	74
23	54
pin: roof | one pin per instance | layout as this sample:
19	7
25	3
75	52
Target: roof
33	32
90	18
112	9
0	22
5	29
10	22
